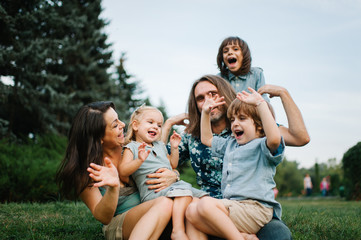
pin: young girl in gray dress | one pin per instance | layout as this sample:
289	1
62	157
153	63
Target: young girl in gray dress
145	154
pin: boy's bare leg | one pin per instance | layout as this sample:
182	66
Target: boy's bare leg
210	216
192	232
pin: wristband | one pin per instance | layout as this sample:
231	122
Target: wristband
259	103
177	174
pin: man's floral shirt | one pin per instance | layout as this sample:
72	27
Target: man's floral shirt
208	168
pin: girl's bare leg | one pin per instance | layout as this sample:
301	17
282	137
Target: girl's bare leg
192	232
148	220
180	205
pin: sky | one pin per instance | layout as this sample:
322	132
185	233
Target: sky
310	47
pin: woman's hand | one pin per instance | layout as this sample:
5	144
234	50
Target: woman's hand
162	178
104	175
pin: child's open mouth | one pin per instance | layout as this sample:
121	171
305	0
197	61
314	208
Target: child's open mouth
232	60
238	133
152	133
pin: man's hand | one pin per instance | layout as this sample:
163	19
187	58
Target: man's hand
272	90
161	179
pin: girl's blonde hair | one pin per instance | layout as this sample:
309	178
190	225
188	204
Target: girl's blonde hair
238	108
137	115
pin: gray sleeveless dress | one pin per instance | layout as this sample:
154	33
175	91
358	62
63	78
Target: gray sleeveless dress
158	159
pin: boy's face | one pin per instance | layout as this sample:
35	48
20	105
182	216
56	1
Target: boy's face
243	128
233	57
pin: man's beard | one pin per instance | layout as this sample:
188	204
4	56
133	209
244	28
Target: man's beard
218	117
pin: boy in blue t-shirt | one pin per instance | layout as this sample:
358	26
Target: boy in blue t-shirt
250	157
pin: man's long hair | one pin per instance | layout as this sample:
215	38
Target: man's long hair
224	89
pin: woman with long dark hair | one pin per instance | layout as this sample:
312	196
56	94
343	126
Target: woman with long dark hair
89	171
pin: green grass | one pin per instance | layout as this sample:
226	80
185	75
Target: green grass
318	218
307	219
56	220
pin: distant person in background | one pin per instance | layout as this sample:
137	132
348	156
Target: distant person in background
275	191
324	187
307	184
328	179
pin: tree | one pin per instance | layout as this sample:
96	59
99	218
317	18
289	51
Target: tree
352	172
288	178
57	57
24	50
316	179
125	94
85	57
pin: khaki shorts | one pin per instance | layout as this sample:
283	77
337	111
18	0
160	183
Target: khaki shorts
248	215
114	230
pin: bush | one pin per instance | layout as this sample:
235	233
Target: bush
28	170
352	172
188	175
289	179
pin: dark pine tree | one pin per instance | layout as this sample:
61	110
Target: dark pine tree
56	56
126	91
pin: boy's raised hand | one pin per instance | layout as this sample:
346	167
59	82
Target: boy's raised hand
142	153
253	98
212	102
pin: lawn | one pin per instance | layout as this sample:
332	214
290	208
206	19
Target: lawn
307	219
55	220
322	218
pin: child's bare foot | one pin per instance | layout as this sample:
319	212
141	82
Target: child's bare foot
249	236
179	235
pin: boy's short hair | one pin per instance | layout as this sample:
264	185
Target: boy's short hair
238	107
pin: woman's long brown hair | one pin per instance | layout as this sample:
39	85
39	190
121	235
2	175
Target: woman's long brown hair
84	147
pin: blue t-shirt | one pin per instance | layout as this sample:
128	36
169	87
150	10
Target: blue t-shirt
248	170
254	79
208	168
